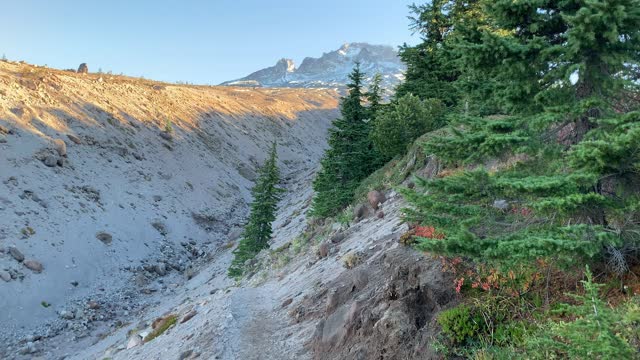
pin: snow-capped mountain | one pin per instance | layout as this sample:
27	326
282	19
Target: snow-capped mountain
331	69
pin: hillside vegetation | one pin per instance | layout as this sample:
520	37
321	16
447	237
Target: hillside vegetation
532	196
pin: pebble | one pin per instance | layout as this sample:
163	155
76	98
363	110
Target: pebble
34	266
4	275
16	254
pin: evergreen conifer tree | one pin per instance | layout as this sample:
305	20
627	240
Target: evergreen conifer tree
349	158
557	67
257	232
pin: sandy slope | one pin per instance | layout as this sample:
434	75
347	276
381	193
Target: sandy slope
166	201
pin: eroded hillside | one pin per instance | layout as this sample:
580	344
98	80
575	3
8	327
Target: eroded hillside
114	191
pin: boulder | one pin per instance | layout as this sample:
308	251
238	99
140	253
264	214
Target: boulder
165	135
61	147
160	269
286	303
376	198
188	316
360	211
83	68
16	254
74	139
338	237
4	275
106	238
323	250
33	265
51	161
134	340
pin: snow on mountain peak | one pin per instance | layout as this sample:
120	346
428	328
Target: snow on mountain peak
331	69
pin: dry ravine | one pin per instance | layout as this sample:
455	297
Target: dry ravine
121	200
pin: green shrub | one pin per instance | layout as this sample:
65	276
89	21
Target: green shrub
598	331
459	324
402	122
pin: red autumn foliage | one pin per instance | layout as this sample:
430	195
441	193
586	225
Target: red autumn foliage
428	232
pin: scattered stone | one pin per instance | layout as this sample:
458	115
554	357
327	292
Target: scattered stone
3	139
83	68
165	135
157	198
4	275
134	340
323	250
162	228
376	198
188	316
51	161
76	140
411	185
380	214
67	315
106	238
16	254
33	265
360	211
185	355
61	147
93	305
29	348
75	283
4	130
338	237
160	269
286	303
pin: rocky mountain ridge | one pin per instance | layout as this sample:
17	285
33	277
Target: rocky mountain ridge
330	70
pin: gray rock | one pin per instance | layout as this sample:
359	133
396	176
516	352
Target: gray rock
167	136
360	211
29	348
76	140
160	269
134	341
67	315
338	237
323	250
185	355
106	238
50	161
4	275
16	254
33	265
375	198
3	139
188	316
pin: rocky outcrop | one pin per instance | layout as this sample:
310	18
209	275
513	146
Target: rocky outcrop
382	310
83	68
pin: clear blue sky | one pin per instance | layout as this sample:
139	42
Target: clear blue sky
204	42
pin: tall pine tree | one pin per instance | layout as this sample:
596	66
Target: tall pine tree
257	232
349	158
573	193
